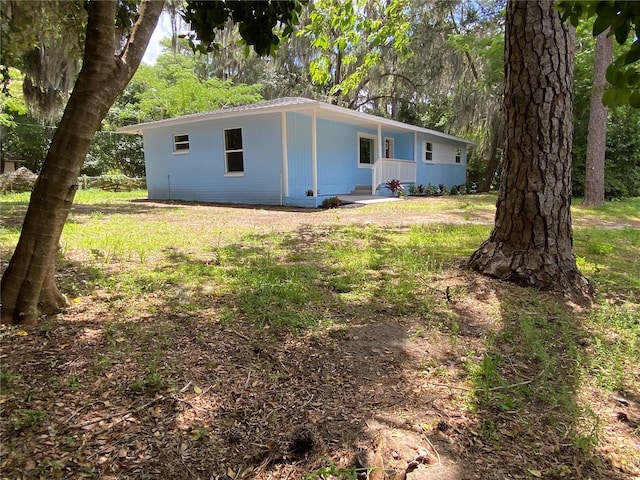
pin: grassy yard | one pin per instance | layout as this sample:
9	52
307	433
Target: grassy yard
206	340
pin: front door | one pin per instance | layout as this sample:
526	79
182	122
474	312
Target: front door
388	148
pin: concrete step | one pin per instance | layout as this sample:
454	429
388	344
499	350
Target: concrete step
362	190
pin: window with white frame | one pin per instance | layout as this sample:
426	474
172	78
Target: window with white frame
366	149
428	152
234	154
458	155
181	143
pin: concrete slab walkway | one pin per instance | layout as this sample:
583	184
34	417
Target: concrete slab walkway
366	199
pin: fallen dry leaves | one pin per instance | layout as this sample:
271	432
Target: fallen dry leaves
254	404
114	390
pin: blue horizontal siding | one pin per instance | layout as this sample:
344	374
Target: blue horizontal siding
306	202
449	175
443	169
200	173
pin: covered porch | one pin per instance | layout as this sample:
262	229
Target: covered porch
342	151
385	169
382	171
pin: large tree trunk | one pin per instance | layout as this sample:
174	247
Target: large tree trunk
597	136
532	240
28	286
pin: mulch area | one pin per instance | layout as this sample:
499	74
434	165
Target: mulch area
95	396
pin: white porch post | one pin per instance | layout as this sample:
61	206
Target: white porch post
380	145
285	159
314	152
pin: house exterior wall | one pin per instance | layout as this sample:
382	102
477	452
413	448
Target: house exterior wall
200	174
338	169
337	156
299	155
442	169
403	145
10	166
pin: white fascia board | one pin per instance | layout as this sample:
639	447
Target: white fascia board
325	110
215	115
374	120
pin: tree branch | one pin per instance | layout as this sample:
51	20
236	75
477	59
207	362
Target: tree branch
138	39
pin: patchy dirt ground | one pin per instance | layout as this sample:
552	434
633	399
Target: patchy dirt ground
114	390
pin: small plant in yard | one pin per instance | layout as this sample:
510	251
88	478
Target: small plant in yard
394	186
27	418
73	383
7	380
459	190
45	329
333	472
102	364
485	373
151	383
431	190
331	202
198	433
599	248
586	430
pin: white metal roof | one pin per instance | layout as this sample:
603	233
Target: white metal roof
292	104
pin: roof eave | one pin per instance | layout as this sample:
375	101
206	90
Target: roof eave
306	106
386	121
199	117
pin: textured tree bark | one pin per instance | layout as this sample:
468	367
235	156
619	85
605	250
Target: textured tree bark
597	135
28	286
532	239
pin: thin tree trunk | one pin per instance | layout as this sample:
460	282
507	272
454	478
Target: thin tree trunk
394	89
597	135
497	140
337	100
28	285
532	240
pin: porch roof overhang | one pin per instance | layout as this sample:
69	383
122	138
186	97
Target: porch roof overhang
294	104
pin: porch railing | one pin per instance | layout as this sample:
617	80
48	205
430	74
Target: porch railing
385	169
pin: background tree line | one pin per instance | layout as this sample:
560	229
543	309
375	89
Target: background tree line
433	63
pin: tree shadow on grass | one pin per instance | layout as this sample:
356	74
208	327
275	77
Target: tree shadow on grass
529	391
274	363
240	206
12	213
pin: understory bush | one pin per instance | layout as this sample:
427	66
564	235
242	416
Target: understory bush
433	191
331	202
113	183
22	180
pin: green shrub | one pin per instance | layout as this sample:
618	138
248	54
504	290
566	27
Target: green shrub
331	202
113	183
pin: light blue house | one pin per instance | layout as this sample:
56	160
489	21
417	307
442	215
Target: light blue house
292	151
